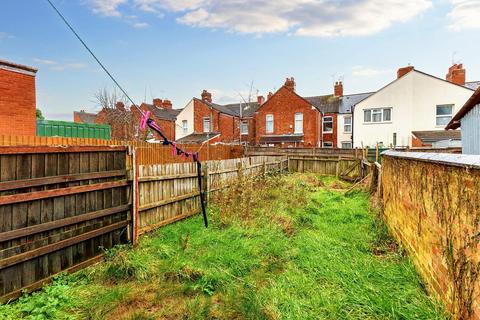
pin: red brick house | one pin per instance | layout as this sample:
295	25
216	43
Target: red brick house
17	99
163	114
84	117
203	120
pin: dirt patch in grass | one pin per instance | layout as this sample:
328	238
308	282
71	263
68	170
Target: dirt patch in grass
291	247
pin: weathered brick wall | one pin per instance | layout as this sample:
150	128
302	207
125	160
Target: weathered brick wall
434	211
17	103
228	126
283	105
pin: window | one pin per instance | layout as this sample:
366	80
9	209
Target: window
347	145
327	144
185	126
327	124
347	125
244	127
206	124
298	122
444	114
377	115
269	123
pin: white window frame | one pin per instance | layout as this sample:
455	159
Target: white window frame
345	124
269	121
327	144
185	126
324	122
298	123
244	127
376	111
345	142
206	120
443	116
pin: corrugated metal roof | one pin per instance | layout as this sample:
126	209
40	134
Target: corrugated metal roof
195	138
437	135
282	138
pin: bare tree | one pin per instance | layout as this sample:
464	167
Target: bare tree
114	112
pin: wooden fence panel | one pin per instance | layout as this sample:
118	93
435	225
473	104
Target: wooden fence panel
58	208
345	168
169	192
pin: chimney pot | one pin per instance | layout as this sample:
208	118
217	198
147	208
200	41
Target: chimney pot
120	106
157	102
260	100
456	74
290	84
338	89
270	94
403	71
206	96
167	104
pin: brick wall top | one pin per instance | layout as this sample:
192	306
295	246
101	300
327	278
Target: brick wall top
458	160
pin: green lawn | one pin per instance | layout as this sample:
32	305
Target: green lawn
293	247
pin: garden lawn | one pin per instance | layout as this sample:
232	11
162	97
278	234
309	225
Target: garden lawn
292	247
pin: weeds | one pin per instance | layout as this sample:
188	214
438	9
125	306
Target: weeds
292	247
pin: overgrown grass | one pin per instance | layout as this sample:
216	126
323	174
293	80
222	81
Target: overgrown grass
281	248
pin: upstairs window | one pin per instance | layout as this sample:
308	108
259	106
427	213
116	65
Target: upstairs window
444	114
244	127
269	123
206	124
327	124
347	125
185	126
377	115
298	122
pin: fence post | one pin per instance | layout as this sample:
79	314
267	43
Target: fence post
206	182
337	168
135	198
240	170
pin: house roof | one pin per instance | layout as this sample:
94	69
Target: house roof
86	117
332	104
437	135
16	67
165	114
281	138
469	105
417	71
474	85
195	138
233	109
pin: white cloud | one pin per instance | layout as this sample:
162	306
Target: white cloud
368	72
465	14
4	35
56	66
318	18
140	25
321	18
107	7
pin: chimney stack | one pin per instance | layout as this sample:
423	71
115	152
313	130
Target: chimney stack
338	89
403	71
456	74
260	100
120	106
270	94
290	84
157	102
167	104
206	96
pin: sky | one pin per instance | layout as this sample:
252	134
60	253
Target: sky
173	49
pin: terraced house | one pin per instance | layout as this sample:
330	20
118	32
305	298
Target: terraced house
203	121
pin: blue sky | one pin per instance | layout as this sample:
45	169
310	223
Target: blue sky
175	48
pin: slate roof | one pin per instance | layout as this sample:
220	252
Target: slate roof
85	117
282	138
474	85
165	114
437	135
332	104
233	109
195	138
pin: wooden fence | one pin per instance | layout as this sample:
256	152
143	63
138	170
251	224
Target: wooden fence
58	208
147	153
345	168
260	151
169	192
